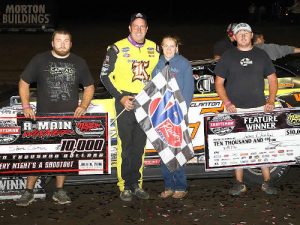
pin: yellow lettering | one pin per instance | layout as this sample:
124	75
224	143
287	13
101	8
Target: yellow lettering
195	127
297	97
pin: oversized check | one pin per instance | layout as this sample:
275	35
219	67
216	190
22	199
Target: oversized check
252	139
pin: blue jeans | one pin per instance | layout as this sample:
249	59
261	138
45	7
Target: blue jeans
176	180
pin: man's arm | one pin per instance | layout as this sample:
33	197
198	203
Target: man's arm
219	83
273	87
276	51
217	57
24	93
296	50
108	67
87	96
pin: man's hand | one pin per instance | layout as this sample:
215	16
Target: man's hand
269	107
28	113
127	102
80	110
230	108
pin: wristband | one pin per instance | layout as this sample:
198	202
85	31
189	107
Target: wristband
26	106
227	103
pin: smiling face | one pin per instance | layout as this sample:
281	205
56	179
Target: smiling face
138	29
170	48
243	39
61	44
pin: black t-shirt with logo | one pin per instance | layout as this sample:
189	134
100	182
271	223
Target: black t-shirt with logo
244	72
57	81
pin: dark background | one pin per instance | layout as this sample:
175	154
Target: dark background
97	24
160	10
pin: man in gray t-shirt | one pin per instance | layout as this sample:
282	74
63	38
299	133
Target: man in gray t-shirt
273	50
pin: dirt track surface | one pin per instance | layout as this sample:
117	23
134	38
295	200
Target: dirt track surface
207	203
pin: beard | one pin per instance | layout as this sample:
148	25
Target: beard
61	51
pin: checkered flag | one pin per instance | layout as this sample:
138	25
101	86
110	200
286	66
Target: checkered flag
161	111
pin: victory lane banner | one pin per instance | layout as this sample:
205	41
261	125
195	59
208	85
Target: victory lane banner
252	139
54	144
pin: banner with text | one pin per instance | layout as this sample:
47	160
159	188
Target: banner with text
54	144
28	16
252	139
13	187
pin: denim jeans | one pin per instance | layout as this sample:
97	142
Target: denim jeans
176	180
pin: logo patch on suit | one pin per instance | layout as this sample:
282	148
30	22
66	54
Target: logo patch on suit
139	71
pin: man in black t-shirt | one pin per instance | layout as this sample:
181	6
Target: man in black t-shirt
244	69
57	74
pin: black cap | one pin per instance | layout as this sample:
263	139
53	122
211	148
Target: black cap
138	15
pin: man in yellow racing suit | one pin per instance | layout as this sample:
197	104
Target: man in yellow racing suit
126	69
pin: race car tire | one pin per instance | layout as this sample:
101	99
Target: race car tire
253	176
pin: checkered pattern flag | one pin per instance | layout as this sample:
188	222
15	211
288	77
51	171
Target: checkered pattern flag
161	111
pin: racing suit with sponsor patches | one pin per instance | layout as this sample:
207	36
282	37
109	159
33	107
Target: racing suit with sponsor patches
126	69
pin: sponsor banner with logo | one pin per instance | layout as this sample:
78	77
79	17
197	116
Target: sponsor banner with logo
54	144
13	187
28	16
252	139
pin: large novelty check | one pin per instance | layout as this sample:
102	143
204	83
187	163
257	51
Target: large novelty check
54	144
252	139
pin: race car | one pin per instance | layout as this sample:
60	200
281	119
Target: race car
205	101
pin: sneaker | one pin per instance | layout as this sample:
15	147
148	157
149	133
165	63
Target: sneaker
268	188
166	193
126	195
61	197
140	193
26	198
179	194
238	188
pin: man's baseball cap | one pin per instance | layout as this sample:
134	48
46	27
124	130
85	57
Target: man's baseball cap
242	26
138	15
229	29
